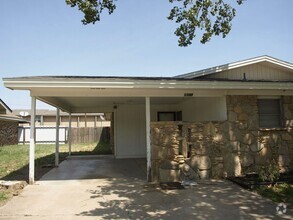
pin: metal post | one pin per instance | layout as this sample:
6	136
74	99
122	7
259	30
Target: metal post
57	137
32	142
69	135
148	138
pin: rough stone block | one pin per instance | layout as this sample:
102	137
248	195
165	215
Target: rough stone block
169	165
243	117
256	147
244	147
200	149
284	160
218	138
246	160
200	162
209	129
248	139
283	149
204	174
232	165
232	116
169	175
235	145
264	156
218	170
286	137
238	109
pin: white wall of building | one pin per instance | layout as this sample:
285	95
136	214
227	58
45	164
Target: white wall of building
204	109
130	132
162	108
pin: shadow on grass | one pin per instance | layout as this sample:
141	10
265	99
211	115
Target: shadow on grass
42	166
46	163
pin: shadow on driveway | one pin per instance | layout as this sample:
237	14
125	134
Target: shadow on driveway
108	188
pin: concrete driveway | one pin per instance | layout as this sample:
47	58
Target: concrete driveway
116	189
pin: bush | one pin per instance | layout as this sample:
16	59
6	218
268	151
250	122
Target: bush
269	173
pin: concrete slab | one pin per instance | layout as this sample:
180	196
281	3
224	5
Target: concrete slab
116	189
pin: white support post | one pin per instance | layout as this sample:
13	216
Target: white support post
57	137
69	135
148	138
32	142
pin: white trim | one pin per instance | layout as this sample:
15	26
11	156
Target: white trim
69	135
32	142
148	137
115	132
43	89
57	137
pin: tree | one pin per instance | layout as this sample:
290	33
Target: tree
206	17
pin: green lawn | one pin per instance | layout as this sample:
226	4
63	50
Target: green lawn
14	160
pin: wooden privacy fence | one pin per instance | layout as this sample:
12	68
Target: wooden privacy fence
78	135
88	135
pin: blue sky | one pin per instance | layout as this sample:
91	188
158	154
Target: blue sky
47	38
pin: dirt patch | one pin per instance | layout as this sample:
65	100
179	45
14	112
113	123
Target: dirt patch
8	189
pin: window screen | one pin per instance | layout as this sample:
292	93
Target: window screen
269	111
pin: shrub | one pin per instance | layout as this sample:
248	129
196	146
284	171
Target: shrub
269	173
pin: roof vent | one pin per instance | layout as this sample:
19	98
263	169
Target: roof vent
188	94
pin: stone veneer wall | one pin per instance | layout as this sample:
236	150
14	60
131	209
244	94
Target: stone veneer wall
220	149
8	133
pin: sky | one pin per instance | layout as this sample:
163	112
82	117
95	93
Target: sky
47	38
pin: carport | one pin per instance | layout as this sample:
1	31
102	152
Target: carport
129	98
135	102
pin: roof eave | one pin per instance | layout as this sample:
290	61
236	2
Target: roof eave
150	84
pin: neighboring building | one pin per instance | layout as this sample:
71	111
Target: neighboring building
8	125
221	121
47	118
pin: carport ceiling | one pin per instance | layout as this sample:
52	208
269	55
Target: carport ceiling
104	104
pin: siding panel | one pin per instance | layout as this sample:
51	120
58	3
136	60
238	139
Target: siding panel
262	71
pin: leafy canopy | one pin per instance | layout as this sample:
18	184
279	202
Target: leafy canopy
206	17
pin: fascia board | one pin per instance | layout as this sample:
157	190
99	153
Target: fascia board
151	84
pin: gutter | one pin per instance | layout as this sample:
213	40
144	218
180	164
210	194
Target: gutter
144	84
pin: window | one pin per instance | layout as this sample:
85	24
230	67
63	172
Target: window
170	116
269	111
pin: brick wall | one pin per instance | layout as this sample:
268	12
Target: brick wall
8	133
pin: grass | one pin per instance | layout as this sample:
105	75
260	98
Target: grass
3	196
278	193
14	160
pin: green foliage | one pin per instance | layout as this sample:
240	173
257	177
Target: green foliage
211	17
278	193
92	9
3	196
269	173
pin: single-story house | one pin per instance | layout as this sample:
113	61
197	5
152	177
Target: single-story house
8	125
216	122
